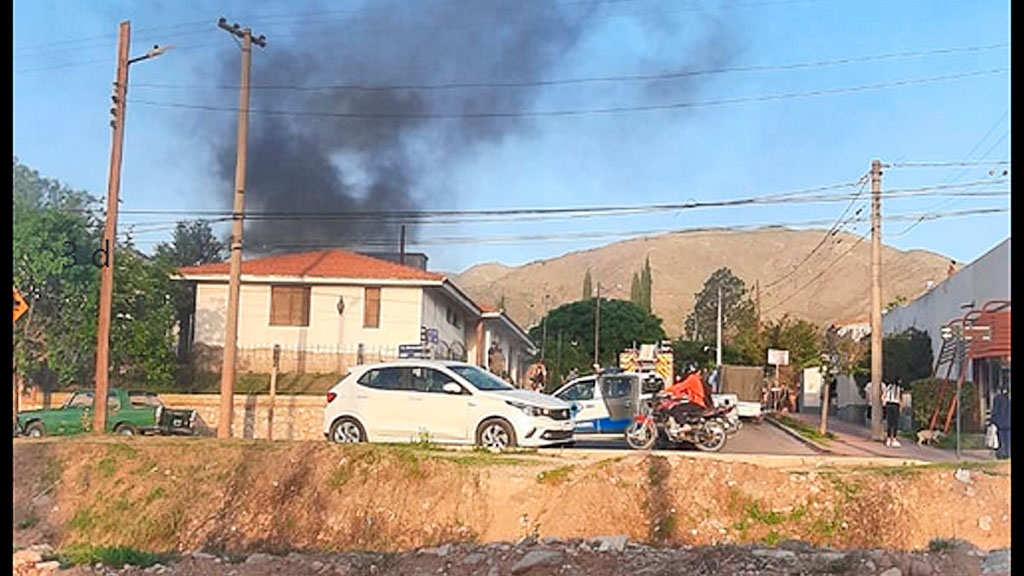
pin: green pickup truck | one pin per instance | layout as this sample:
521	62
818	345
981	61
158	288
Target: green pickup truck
128	413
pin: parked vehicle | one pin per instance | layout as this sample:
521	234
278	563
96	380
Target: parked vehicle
128	414
707	433
444	402
605	403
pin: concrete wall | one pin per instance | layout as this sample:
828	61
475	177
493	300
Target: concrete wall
400	312
295	417
987	278
435	315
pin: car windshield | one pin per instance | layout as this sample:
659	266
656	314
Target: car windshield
481	379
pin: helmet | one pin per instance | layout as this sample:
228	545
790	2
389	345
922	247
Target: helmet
689	367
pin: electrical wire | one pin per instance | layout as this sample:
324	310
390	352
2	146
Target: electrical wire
572	111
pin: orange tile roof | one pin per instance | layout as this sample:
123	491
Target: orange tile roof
321	264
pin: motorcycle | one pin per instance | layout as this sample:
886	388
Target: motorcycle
729	416
708	433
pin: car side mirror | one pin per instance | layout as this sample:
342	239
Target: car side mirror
452	388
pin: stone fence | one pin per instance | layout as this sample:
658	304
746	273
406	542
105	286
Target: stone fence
295	417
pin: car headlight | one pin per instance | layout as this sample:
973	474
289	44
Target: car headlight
528	409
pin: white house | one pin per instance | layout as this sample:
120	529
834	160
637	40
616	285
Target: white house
330	309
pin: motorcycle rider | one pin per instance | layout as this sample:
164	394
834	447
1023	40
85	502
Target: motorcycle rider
690	390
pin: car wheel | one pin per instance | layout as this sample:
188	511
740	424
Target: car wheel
496	434
124	430
347	431
35	430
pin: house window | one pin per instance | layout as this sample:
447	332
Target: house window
371	308
289	306
451	316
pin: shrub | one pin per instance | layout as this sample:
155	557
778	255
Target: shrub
926	394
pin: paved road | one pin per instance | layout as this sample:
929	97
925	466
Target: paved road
753	438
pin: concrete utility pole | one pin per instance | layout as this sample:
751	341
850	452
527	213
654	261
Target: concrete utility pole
718	337
99	413
597	329
876	300
227	377
757	292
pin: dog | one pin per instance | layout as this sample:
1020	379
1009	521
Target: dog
928	437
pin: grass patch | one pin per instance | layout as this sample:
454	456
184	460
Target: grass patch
107	467
116	556
936	545
805	431
766	517
154	495
28	521
554	477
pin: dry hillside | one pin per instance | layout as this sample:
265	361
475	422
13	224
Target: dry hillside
819	291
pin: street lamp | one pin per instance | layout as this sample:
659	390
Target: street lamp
110	227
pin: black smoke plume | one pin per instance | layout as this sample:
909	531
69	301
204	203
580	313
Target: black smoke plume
333	166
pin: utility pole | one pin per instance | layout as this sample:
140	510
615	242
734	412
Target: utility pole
544	329
757	297
876	300
401	248
227	378
597	329
718	337
99	412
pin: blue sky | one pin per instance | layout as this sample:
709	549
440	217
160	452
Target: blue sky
64	55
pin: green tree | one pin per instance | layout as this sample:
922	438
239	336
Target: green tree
622	324
804	340
906	355
646	285
634	290
588	286
192	244
54	226
55	238
141	339
737	308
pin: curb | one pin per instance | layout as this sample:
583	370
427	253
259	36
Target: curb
806	441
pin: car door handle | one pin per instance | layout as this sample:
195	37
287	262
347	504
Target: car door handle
471	404
590	405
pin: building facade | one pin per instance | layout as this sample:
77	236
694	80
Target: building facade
329	310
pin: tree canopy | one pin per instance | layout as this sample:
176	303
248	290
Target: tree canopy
622	324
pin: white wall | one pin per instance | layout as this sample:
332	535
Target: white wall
987	278
400	311
435	305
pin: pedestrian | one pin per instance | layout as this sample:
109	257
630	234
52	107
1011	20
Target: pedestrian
1001	419
892	396
539	376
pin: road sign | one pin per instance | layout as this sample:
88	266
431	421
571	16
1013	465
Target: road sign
778	357
20	307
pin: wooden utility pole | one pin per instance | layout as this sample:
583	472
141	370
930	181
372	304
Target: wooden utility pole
99	412
227	377
876	300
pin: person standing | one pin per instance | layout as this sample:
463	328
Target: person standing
1001	420
892	395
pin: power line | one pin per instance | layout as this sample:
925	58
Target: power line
819	275
597	235
576	111
828	234
946	164
540	214
482	84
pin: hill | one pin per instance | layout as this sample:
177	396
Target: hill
833	285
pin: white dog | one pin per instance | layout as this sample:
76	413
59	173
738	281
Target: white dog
928	436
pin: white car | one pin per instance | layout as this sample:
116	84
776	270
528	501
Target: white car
443	402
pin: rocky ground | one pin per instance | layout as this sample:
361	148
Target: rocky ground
605	556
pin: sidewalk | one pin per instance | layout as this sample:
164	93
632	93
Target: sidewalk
854	440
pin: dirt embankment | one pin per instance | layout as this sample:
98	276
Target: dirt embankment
167	495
